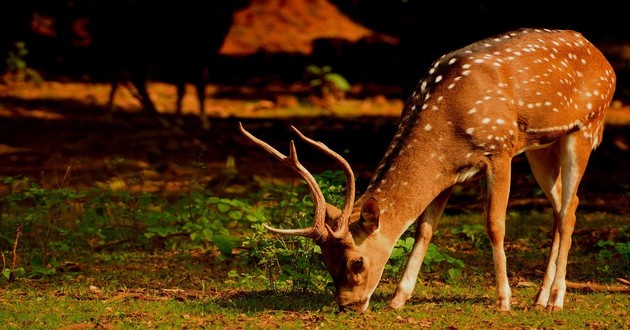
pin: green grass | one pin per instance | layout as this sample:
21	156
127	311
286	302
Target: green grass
452	306
128	261
191	289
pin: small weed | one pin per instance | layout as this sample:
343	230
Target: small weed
476	233
17	67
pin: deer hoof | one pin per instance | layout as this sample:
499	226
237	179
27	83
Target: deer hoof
553	308
539	307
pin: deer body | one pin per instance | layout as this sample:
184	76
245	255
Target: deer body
542	92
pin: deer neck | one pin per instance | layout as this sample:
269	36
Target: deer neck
419	164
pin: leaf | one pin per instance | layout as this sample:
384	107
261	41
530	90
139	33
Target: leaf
223	208
236	215
6	273
454	273
338	81
314	69
224	244
36	262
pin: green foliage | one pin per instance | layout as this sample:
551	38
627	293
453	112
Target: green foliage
17	66
325	82
57	222
293	263
434	259
610	249
475	233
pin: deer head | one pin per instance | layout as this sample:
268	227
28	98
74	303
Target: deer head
348	239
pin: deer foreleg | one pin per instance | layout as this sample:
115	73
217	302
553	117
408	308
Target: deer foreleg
425	226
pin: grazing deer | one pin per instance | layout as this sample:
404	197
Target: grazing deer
541	92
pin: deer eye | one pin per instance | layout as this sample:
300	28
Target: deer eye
357	265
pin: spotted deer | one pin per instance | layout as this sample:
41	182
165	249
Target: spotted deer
538	91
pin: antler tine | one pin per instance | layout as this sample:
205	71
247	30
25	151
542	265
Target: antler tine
318	231
350	186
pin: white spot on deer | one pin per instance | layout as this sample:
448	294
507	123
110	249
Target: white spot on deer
500	121
452	60
451	86
428	127
470	130
471	111
438	79
589	106
486	120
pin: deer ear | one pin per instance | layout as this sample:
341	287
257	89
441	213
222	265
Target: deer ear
369	215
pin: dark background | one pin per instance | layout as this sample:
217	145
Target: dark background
178	35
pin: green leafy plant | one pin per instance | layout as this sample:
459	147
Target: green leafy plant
293	263
610	249
207	219
327	85
433	260
17	67
475	233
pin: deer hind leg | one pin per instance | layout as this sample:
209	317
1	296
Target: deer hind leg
558	170
498	178
425	226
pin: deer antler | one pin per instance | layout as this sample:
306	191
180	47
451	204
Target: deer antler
350	185
317	232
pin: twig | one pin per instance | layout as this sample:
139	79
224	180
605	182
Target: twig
623	280
598	287
18	232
